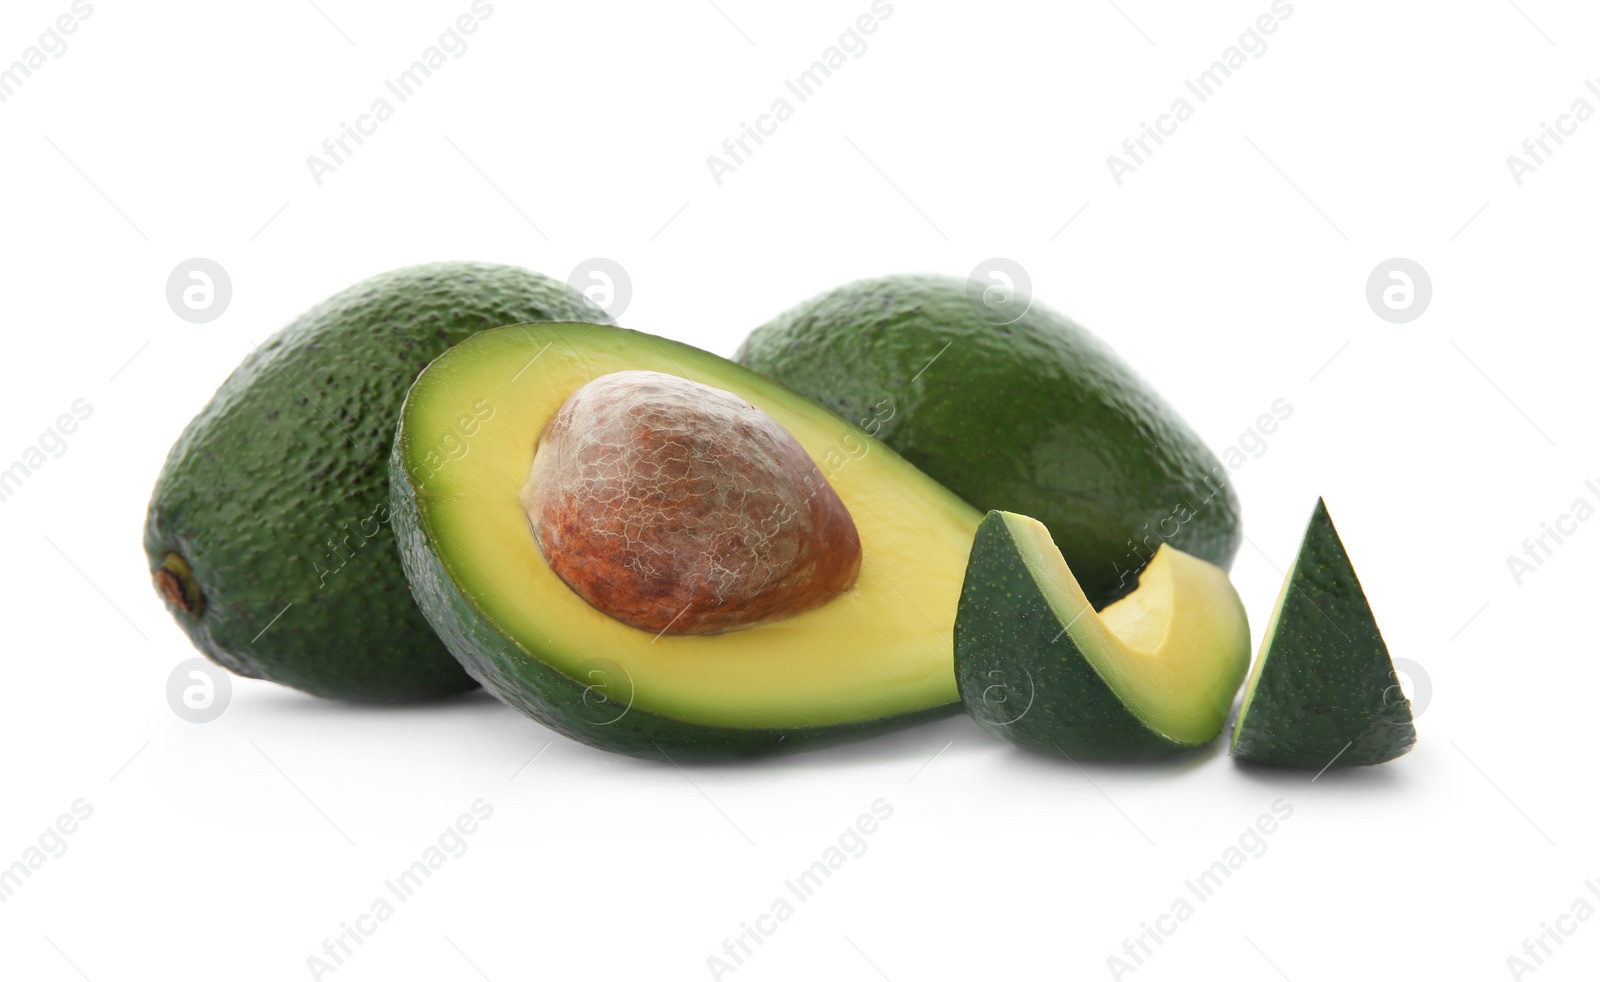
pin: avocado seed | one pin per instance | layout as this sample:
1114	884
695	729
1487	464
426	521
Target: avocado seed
679	508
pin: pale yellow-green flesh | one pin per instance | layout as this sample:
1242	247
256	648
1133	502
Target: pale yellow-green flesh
1173	650
1261	655
880	649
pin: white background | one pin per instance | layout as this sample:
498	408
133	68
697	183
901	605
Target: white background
1229	270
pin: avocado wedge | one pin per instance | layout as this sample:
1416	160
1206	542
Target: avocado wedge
1323	690
268	532
1152	674
475	528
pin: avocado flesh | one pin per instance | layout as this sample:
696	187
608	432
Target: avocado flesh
268	529
878	654
1036	416
1323	688
1154	673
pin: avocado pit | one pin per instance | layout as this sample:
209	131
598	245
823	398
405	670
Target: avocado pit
679	508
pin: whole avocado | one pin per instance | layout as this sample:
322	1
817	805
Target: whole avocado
1034	416
268	530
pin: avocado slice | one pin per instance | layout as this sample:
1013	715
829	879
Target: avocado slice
875	656
268	529
1036	416
1154	673
1323	689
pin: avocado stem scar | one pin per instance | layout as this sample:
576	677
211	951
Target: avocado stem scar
176	582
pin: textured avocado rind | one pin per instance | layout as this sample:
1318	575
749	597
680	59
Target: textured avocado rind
1326	691
268	532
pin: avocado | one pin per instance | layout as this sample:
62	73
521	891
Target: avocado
506	548
268	529
1154	673
1323	689
1036	416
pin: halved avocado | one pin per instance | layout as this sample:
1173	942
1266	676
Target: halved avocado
875	656
1153	673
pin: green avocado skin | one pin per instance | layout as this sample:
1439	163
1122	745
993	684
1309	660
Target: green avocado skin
276	494
596	710
1020	674
1327	690
1036	416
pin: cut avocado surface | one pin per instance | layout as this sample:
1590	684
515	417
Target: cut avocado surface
268	529
1323	689
1151	674
876	655
1035	416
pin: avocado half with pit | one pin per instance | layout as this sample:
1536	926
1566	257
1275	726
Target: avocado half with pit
656	551
1154	673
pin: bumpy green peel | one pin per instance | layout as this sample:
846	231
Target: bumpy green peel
268	530
1323	690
